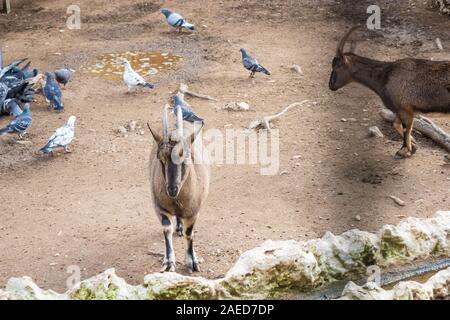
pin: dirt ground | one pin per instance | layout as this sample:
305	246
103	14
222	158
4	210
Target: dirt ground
92	207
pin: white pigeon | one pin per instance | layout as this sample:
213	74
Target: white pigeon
62	137
132	78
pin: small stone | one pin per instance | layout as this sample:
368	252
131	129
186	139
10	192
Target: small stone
358	217
24	142
297	68
132	125
282	173
439	44
375	132
121	130
243	106
398	201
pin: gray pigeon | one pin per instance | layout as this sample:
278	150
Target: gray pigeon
63	76
27	73
11	107
251	64
177	21
188	114
20	124
53	93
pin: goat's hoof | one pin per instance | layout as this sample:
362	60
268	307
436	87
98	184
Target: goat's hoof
403	153
168	267
192	264
414	149
193	267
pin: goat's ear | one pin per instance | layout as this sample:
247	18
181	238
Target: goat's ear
155	135
194	135
346	59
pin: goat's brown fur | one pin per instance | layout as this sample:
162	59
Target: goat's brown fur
193	184
406	86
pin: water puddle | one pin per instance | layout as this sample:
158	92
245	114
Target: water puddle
108	65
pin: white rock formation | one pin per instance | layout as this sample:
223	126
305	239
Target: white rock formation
280	268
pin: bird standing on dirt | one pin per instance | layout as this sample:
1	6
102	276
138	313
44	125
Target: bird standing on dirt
62	137
52	92
188	114
177	21
132	78
252	65
20	124
63	76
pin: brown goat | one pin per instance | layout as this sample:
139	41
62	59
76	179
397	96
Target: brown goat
180	178
406	86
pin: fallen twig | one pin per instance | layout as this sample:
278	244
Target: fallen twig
185	90
264	123
424	126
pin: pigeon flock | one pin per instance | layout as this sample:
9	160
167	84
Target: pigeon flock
18	85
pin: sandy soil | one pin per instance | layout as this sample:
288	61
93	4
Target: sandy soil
92	207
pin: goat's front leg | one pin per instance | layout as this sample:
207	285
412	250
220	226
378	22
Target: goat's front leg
191	258
169	258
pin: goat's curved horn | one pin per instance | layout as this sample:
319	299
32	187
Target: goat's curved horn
155	135
180	123
165	125
340	48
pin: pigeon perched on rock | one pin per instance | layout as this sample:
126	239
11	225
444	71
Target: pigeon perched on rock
252	64
132	78
63	76
62	137
177	21
52	92
188	114
20	124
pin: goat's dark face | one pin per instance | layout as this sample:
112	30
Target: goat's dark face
340	75
174	161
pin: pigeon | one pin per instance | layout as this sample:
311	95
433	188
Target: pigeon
61	138
188	114
132	78
6	69
11	107
177	21
63	76
20	90
251	64
53	93
20	124
27	73
3	93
